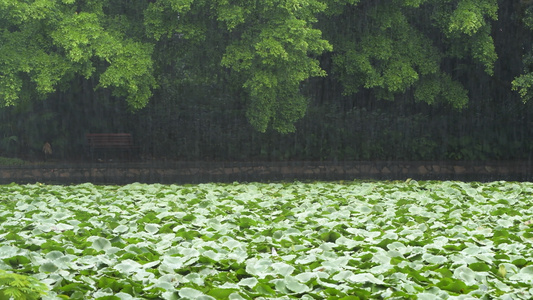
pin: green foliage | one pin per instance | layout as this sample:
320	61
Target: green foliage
523	84
467	25
8	161
20	287
393	51
322	240
264	55
45	43
470	16
273	55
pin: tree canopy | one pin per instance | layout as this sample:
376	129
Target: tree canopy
264	53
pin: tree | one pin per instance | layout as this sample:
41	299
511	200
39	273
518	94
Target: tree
44	44
260	52
394	46
524	83
269	49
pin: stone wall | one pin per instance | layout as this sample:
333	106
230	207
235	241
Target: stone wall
198	172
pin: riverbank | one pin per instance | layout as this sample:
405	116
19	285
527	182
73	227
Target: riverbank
199	172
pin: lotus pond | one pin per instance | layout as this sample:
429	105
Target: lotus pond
325	240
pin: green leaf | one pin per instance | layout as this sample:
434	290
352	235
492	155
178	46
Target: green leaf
190	293
524	275
479	267
100	244
264	289
520	262
465	274
219	293
48	267
453	285
295	286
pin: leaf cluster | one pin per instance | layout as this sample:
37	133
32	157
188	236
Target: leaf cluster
19	287
389	240
395	46
275	55
46	43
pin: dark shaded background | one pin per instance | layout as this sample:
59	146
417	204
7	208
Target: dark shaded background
204	120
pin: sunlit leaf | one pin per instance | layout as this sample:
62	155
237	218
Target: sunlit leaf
100	243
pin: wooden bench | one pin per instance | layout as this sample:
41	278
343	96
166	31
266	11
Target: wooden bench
105	142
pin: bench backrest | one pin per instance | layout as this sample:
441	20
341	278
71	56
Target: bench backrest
109	140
